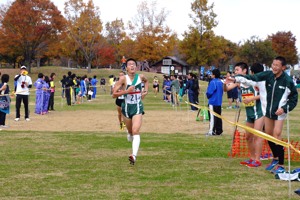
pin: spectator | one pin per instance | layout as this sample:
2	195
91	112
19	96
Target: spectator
39	93
24	82
175	90
191	93
281	102
102	84
94	82
52	91
4	100
214	94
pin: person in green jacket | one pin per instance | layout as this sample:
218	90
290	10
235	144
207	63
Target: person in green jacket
282	97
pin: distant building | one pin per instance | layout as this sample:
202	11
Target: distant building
164	66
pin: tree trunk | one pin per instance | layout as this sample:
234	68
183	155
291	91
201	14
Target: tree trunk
69	63
89	70
38	62
27	64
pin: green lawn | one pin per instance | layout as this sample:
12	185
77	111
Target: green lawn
93	165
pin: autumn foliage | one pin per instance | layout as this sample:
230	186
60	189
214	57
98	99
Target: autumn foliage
31	30
27	28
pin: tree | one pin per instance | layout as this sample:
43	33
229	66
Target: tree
257	50
105	55
204	17
27	27
67	48
198	45
284	44
116	35
84	27
226	51
153	38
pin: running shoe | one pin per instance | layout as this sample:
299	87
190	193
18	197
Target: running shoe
210	134
266	156
272	165
246	162
278	170
254	164
132	159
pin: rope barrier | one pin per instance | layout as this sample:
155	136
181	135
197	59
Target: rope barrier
251	130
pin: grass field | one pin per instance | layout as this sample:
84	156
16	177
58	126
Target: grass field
94	165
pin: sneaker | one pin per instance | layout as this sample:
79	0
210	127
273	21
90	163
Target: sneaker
278	170
266	156
210	134
272	165
246	162
254	164
129	137
132	159
17	119
297	191
27	119
229	107
3	126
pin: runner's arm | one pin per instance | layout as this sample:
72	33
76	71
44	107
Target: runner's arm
146	85
117	88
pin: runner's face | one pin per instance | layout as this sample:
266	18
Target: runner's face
131	66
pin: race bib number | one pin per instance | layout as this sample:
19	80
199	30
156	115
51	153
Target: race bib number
133	98
250	104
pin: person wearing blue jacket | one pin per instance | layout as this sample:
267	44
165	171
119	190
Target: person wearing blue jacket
214	94
94	82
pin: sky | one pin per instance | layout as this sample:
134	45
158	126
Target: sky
238	20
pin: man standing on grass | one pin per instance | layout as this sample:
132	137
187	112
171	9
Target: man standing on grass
23	82
175	90
254	100
214	94
94	82
282	97
132	107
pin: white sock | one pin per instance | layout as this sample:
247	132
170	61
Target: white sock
135	144
129	137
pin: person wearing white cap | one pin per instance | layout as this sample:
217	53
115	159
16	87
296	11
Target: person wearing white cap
23	82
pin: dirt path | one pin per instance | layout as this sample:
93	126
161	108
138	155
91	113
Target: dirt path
106	121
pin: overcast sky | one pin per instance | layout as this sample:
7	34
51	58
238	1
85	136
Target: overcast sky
238	19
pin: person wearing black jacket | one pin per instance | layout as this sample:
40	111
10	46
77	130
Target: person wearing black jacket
68	84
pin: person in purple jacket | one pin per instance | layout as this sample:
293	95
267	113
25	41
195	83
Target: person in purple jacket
47	93
39	93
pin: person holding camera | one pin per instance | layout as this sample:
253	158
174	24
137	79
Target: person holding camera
23	82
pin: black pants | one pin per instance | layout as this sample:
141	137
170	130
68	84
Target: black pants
19	99
217	122
68	95
2	118
51	101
